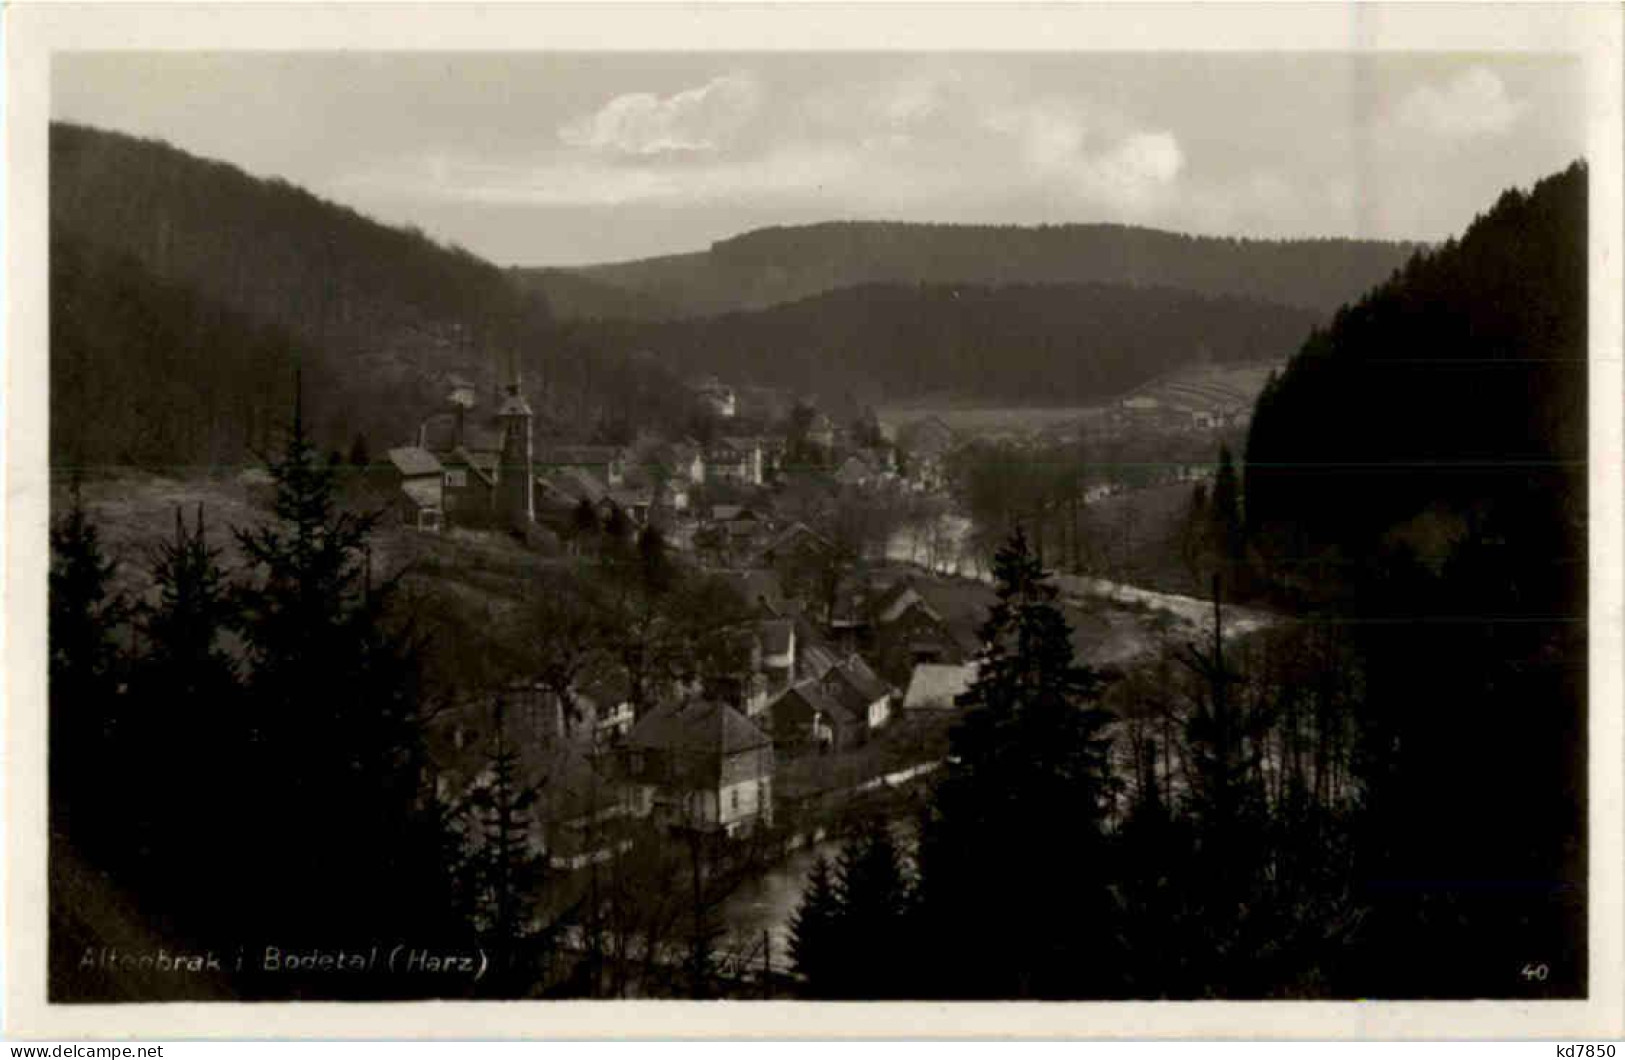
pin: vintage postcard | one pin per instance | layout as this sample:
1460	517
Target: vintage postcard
1050	521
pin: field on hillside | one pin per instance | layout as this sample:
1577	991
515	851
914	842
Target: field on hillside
134	512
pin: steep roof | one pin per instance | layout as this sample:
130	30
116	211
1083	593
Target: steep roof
804	700
700	726
937	685
423	494
412	461
484	466
790	533
896	601
864	684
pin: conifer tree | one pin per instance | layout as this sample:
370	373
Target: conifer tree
870	931
83	676
813	944
1016	824
333	765
508	871
187	714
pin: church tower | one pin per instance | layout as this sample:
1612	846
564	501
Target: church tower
516	476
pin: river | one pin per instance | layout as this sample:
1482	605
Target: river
766	903
945	549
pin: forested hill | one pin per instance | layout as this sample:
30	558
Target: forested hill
775	265
1457	386
240	274
384	312
1418	478
1029	344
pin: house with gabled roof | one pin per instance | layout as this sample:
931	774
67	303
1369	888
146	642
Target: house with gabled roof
607	463
906	630
700	764
416	487
860	691
810	717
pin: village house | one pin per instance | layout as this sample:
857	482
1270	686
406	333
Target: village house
582	815
795	549
604	698
700	764
857	471
606	463
735	459
731	534
907	631
416	487
859	691
806	718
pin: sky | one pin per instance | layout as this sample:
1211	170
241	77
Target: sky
551	159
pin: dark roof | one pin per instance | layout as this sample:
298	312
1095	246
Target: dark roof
862	680
776	635
577	484
412	461
423	494
484	466
804	700
700	726
790	533
898	599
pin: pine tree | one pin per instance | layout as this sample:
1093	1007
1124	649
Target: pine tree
187	702
334	767
84	671
1016	824
871	929
509	872
814	946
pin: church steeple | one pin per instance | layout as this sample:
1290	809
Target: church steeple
516	478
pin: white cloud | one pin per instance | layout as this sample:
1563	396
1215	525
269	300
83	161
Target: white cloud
1473	104
1141	163
696	119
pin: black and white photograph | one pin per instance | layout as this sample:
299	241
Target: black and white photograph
815	525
